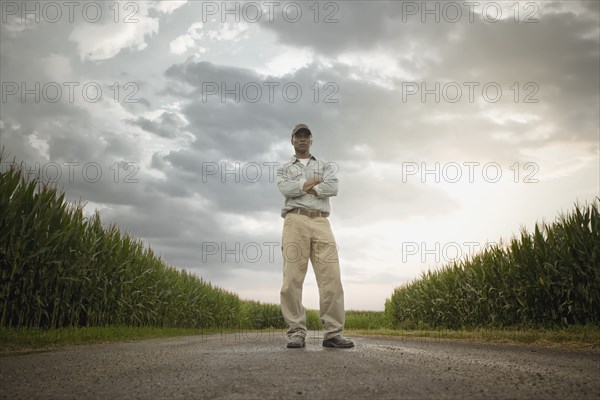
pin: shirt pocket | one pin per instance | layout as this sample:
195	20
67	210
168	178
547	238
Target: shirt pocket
314	171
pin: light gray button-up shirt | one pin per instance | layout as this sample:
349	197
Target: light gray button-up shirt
291	177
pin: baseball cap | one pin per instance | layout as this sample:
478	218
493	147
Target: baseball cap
300	127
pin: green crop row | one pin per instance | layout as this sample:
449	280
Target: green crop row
59	268
550	277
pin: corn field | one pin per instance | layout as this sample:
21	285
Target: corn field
550	277
59	268
366	320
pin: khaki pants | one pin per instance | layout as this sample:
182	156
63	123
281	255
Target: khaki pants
307	238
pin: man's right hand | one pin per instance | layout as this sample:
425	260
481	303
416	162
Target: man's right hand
309	184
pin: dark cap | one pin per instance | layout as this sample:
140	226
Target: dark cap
301	127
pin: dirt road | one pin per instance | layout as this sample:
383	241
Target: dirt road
258	366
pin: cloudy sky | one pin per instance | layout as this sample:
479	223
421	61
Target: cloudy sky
451	124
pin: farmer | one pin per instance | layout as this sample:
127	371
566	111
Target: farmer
307	184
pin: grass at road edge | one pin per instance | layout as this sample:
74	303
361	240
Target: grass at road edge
23	341
583	337
31	340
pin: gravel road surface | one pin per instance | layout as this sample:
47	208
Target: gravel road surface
259	366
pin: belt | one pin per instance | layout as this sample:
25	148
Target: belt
309	213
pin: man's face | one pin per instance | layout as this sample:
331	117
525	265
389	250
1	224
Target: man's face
302	141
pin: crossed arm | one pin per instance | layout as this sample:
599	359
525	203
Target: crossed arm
310	184
291	188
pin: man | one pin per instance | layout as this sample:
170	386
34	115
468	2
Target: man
307	184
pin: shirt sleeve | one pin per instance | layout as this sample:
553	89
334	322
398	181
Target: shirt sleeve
288	186
329	186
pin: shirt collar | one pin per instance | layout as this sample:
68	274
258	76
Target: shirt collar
294	159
